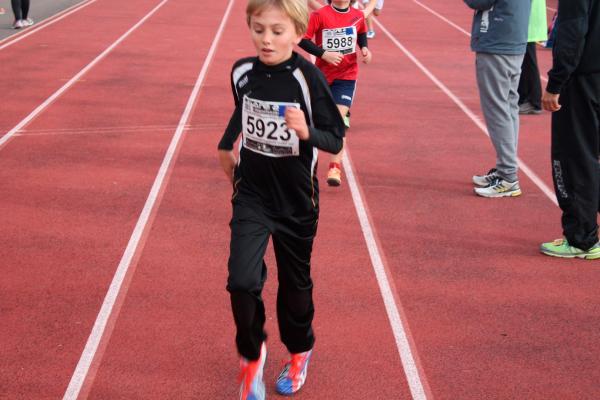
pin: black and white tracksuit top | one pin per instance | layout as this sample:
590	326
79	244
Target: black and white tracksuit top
275	170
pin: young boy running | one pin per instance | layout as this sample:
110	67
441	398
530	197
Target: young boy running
285	112
337	29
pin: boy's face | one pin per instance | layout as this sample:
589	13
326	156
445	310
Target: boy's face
274	35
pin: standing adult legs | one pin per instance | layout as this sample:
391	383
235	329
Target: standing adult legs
497	80
25	8
575	151
530	85
17	9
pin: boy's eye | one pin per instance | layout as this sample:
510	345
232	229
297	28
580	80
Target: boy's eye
278	32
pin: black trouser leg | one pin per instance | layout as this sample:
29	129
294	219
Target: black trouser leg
295	309
247	275
575	151
530	86
25	8
16	7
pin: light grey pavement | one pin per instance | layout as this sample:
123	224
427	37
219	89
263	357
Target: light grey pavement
38	10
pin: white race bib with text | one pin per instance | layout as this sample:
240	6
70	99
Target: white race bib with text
342	40
265	131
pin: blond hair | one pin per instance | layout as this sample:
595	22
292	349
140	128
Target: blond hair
297	10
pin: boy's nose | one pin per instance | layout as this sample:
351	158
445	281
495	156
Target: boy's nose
267	38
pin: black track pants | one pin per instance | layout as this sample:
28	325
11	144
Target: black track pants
20	9
575	165
530	86
292	243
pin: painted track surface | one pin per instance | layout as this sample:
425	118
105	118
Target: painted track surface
490	318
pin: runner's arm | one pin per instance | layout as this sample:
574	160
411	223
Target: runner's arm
370	7
328	131
362	40
233	130
311	48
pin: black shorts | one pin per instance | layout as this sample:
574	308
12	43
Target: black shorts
343	91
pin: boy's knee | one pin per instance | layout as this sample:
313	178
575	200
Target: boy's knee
235	284
243	282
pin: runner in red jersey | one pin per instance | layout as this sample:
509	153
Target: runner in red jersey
337	29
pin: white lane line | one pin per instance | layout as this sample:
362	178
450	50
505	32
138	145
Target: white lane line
415	380
551	9
74	79
524	167
117	130
446	20
116	288
43	24
109	129
440	16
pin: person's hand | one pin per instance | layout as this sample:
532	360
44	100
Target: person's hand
332	57
228	161
294	119
366	54
550	101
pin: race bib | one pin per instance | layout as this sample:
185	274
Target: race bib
342	40
264	129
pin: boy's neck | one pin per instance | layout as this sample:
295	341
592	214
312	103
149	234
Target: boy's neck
342	9
283	63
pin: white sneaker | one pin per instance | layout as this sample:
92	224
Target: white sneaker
370	34
500	188
19	24
27	22
484	180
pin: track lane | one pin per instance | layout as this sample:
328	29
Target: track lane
455	41
66	48
174	336
52	16
535	129
491	318
70	201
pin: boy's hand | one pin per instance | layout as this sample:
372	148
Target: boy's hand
294	119
228	161
333	57
366	54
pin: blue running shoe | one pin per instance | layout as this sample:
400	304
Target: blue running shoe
293	375
252	386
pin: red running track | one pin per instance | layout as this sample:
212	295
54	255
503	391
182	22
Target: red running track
489	317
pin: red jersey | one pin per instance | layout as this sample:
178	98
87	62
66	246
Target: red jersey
335	30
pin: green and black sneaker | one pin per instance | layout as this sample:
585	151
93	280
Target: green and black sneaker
562	248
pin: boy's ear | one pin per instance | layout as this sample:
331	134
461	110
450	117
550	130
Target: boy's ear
298	38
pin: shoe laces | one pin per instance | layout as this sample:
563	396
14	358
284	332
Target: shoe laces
491	174
495	183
